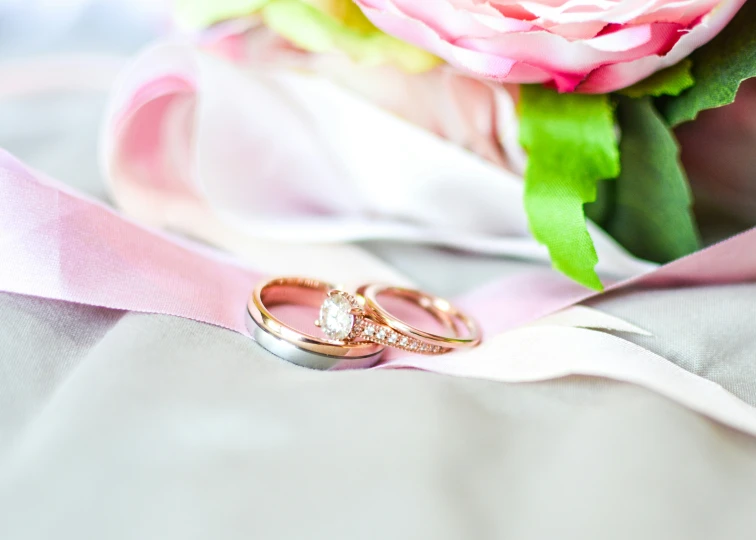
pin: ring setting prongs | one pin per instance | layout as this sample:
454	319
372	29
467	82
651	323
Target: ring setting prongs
342	318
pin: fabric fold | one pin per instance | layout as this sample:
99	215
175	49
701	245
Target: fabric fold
187	125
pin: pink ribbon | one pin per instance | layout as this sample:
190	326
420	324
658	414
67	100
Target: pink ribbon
56	244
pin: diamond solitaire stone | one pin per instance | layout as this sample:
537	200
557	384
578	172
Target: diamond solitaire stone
336	319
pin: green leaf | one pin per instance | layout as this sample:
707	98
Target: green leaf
667	82
651	217
571	145
718	68
600	210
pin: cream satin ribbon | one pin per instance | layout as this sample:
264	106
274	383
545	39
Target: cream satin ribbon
186	127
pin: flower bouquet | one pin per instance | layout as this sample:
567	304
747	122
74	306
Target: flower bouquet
540	118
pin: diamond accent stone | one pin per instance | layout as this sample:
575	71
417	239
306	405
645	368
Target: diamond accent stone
385	336
336	318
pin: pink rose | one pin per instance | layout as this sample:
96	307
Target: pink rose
590	46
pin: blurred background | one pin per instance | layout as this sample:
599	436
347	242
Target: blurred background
58	59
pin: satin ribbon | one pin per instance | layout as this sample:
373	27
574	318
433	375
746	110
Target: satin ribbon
55	244
186	126
58	245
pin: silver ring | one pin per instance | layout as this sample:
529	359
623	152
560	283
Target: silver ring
304	358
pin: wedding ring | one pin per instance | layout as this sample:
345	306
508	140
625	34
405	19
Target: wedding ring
357	328
293	345
465	332
343	316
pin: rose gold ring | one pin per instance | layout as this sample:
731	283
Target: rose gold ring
294	345
357	328
344	317
464	331
362	318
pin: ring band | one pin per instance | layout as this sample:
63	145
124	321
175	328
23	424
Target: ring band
357	327
440	308
293	345
343	316
304	358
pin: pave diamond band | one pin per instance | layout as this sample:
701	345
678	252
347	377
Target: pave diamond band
383	335
461	331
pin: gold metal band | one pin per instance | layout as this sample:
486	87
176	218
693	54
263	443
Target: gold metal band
301	292
358	326
441	309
